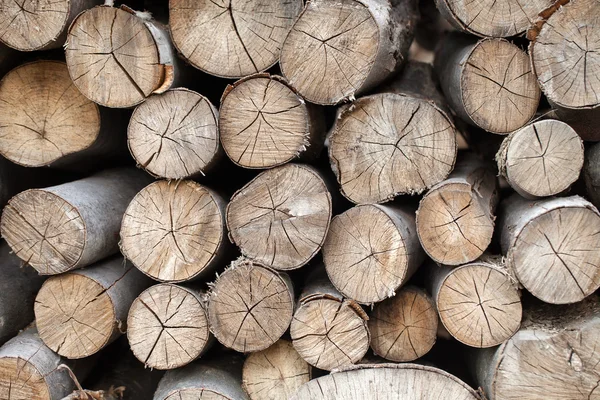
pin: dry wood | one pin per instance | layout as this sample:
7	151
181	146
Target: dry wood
371	250
72	225
455	219
488	83
478	303
591	173
553	356
553	246
79	313
275	373
117	57
541	159
405	326
264	123
281	217
167	326
175	231
231	38
174	135
337	50
250	306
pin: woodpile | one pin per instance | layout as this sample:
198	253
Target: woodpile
287	199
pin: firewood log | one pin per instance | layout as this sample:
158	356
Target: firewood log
591	173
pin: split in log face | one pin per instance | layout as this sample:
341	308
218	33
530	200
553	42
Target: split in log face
43	116
24	380
250	307
167	327
231	38
389	144
174	135
196	394
404	327
173	230
281	217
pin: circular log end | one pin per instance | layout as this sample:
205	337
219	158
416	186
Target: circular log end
196	394
172	230
44	230
20	379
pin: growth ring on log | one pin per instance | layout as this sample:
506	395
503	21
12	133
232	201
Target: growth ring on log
172	230
43	116
231	38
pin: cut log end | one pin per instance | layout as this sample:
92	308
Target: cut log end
20	379
196	394
281	217
167	327
174	135
43	117
231	39
404	327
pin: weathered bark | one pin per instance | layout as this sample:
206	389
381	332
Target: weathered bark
274	373
264	123
488	83
338	50
591	173
541	159
174	231
81	312
400	141
250	306
455	219
72	225
281	217
231	38
405	326
167	326
372	250
553	246
174	135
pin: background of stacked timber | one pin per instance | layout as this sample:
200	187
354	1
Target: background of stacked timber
422	229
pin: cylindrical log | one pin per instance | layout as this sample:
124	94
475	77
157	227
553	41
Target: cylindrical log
275	373
175	231
174	135
405	326
455	219
167	326
338	50
372	250
118	57
281	217
328	331
478	303
488	83
591	173
553	246
264	123
80	312
250	306
230	38
541	159
400	141
72	225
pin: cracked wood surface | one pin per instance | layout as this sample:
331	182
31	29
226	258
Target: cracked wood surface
174	230
281	217
174	135
231	38
404	327
275	373
541	159
167	326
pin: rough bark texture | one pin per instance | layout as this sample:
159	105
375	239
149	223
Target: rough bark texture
591	173
175	231
371	251
339	49
80	312
264	123
553	246
455	219
281	217
167	326
488	83
72	225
